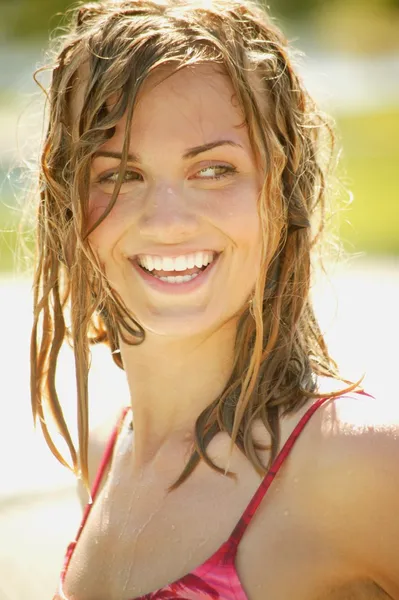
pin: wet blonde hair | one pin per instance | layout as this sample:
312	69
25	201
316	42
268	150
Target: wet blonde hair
110	50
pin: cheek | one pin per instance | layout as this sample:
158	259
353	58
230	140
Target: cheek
101	239
238	215
110	229
127	205
97	206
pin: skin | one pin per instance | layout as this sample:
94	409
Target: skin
329	527
175	204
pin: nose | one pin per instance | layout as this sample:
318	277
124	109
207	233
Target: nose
168	217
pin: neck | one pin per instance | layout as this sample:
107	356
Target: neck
171	381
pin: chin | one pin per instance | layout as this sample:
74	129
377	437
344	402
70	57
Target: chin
181	324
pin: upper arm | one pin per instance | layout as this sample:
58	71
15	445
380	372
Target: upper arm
378	514
361	486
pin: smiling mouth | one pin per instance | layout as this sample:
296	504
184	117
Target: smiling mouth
175	276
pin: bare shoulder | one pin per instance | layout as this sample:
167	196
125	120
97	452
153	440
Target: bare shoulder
357	435
365	426
355	490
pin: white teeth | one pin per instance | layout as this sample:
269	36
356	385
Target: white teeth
180	263
168	264
177	278
190	260
158	263
149	263
199	259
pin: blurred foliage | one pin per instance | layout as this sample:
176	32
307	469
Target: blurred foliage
338	22
297	9
370	223
369	169
368	27
31	19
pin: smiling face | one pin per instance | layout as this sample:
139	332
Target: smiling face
191	185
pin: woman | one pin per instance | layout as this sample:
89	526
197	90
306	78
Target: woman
181	175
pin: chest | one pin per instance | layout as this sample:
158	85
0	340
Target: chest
139	539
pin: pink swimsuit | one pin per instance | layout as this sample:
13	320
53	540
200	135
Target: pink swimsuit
216	578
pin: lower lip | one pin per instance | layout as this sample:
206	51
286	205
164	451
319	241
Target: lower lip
177	288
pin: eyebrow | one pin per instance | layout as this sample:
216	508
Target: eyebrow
189	153
192	152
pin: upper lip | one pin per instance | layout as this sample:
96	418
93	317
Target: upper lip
173	254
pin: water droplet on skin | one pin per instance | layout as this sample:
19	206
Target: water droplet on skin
117	480
173	526
286	513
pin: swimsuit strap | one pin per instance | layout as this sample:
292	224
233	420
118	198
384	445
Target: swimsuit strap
106	457
257	498
249	512
105	460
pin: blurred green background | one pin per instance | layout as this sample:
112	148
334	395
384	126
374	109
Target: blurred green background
350	63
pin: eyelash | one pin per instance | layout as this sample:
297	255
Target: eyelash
107	178
228	171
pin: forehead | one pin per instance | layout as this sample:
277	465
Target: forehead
193	99
197	102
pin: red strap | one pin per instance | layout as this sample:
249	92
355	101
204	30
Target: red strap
106	457
257	498
249	512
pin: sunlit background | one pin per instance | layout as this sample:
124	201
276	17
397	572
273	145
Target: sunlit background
351	65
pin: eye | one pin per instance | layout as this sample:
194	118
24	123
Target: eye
108	180
216	171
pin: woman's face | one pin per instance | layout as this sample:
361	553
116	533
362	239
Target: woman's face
190	193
